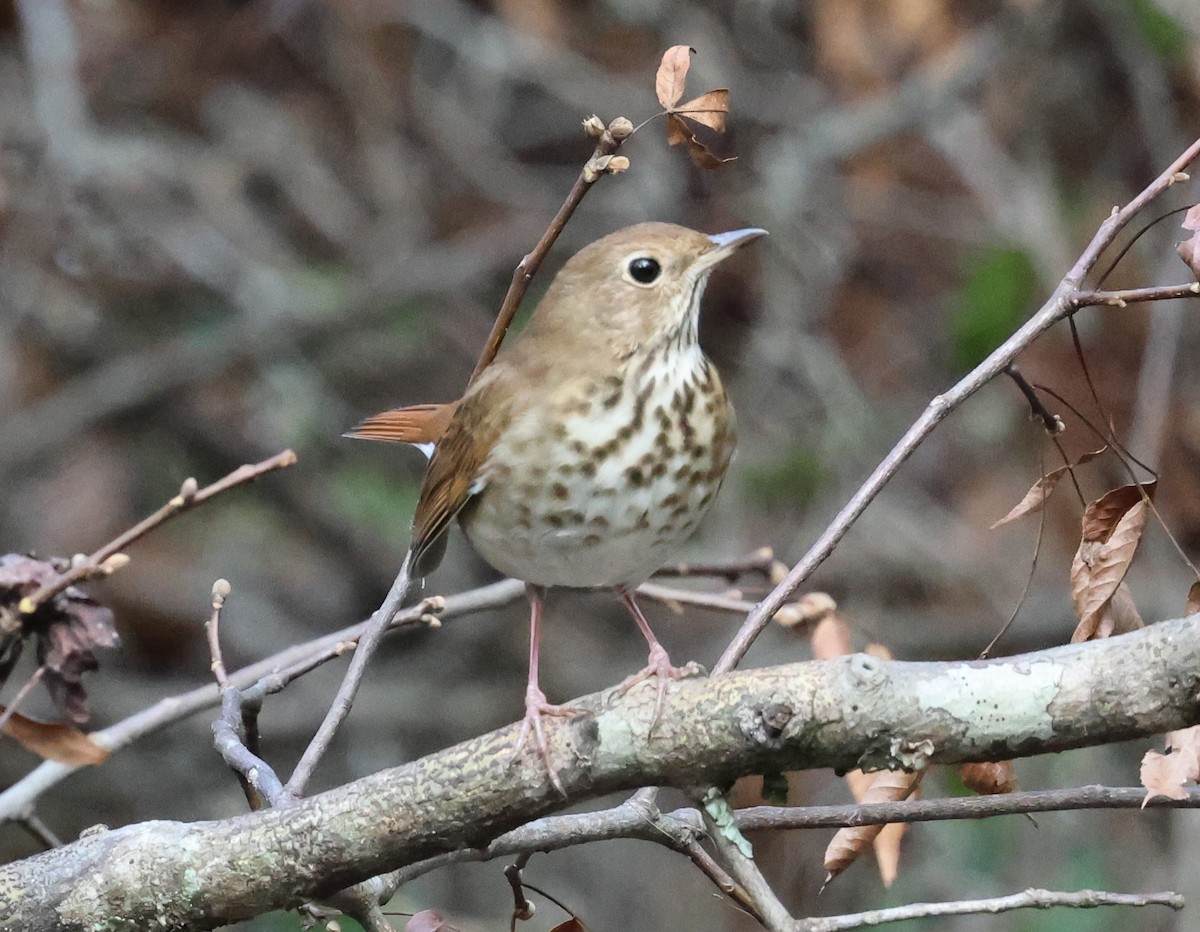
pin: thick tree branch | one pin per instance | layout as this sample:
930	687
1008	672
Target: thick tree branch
841	713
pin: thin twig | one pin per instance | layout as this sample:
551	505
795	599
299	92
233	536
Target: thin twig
33	824
742	868
258	779
1028	899
1058	305
720	878
1082	299
188	498
761	561
172	709
340	707
22	693
609	142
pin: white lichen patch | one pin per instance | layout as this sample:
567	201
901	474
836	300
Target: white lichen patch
998	701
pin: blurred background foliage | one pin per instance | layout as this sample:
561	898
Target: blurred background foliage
231	227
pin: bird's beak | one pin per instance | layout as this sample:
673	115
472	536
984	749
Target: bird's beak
725	244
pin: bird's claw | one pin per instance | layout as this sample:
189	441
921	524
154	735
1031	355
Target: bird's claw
658	665
535	707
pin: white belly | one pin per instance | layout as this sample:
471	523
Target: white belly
606	505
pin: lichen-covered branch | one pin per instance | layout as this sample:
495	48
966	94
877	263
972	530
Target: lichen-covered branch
841	713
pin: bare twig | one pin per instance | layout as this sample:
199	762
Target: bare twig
188	498
22	693
258	779
15	799
1060	304
708	866
1082	299
33	824
761	562
340	708
738	859
1028	899
608	142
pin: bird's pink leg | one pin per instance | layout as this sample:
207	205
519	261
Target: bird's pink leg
535	700
658	664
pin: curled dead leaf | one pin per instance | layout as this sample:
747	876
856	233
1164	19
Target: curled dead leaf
1193	599
1101	517
1112	528
849	843
990	778
1189	249
710	109
1166	774
1039	492
671	78
54	741
831	638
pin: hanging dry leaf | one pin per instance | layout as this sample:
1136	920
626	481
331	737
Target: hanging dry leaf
989	779
709	110
1193	599
1165	774
1119	615
1189	249
671	78
571	925
849	843
54	741
1036	497
831	638
66	629
1112	530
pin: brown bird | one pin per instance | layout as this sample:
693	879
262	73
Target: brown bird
589	450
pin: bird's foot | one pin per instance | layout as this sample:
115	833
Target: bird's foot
535	707
658	665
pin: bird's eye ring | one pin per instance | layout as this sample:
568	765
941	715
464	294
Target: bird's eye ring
644	270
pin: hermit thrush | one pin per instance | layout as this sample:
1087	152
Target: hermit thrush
587	453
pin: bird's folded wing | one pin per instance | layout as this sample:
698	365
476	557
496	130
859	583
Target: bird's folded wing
454	475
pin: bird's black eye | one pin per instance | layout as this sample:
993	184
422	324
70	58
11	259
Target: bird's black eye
644	270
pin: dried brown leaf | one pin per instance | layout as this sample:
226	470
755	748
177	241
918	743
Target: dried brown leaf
1165	774
989	779
1101	517
1193	599
54	741
831	638
710	109
849	843
571	925
701	155
1100	565
1189	249
1119	615
671	79
1040	491
677	130
878	651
